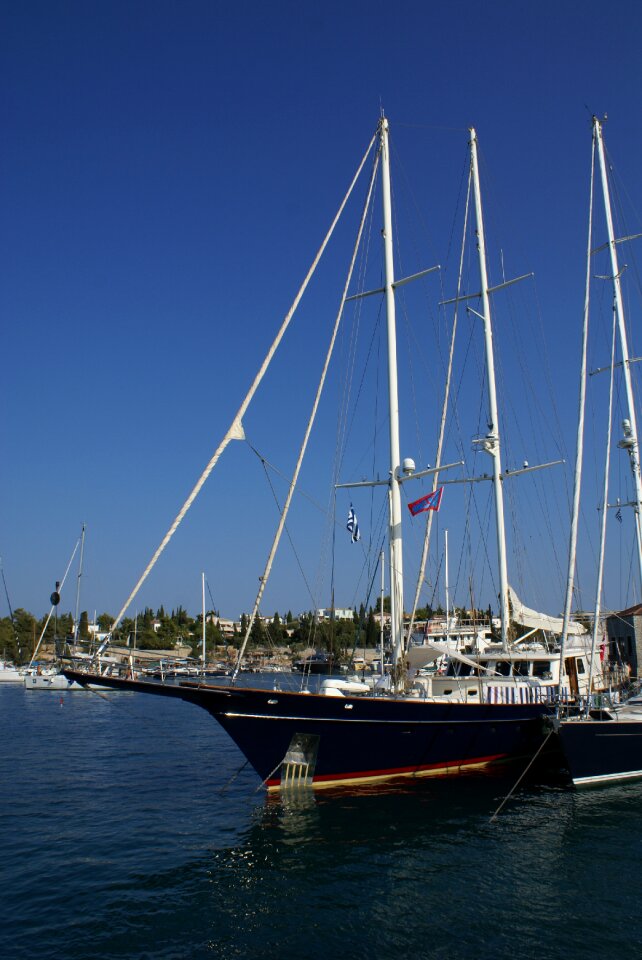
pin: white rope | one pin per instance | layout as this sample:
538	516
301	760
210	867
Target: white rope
268	566
54	605
235	431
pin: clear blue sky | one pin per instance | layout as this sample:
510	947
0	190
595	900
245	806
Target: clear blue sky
167	171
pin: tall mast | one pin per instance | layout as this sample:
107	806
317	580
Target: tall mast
446	585
78	579
203	608
383	587
579	450
605	500
490	443
630	440
396	560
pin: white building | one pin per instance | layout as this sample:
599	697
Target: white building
325	613
227	627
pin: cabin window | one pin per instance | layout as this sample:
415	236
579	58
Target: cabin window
503	668
458	669
541	668
520	668
580	665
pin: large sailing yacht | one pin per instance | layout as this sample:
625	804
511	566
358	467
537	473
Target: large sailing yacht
349	734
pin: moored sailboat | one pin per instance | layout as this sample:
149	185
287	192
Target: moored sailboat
50	675
9	672
603	742
396	729
531	667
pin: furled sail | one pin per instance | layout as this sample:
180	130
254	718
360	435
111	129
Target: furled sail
540	621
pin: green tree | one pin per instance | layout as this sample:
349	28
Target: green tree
213	635
83	626
373	633
8	640
64	625
257	633
304	630
181	618
25	627
147	616
386	604
126	630
105	621
277	631
423	613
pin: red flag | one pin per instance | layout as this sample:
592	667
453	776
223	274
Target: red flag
432	501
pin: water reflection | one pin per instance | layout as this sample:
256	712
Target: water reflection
122	828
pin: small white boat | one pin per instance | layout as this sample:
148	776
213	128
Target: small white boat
38	677
9	672
50	681
51	678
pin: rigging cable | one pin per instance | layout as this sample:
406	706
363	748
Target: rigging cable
278	507
235	431
54	606
343	428
277	537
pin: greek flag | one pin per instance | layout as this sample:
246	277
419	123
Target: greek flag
352	525
618	515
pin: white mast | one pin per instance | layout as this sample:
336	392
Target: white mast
446	585
203	592
579	450
630	440
605	500
383	586
78	579
396	560
490	442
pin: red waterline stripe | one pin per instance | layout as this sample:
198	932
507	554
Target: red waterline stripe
397	771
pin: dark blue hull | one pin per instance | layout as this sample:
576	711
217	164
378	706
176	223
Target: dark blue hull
596	751
325	741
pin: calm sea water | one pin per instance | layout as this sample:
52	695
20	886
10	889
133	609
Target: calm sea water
123	837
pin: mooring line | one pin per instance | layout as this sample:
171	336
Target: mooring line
511	792
233	778
270	774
